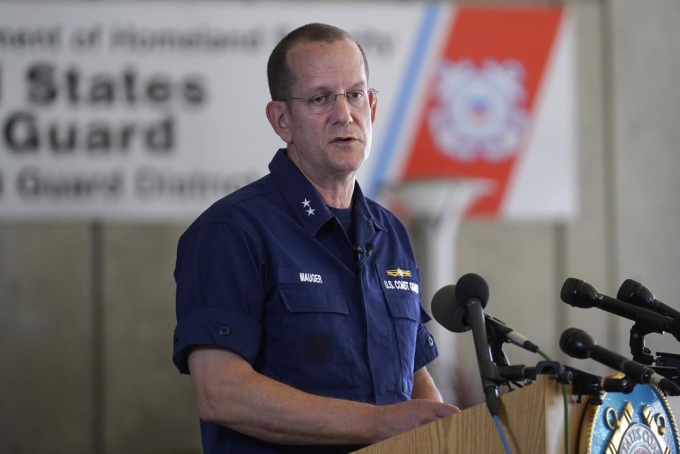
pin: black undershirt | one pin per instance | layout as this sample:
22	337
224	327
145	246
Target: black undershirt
346	218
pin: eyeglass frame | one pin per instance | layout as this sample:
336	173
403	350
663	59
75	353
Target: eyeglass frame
371	93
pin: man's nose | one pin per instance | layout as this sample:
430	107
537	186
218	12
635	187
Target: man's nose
342	110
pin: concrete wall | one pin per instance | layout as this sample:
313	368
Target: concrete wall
88	309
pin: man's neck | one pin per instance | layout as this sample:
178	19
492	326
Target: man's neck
336	196
335	190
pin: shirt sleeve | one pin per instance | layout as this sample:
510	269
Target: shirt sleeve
220	295
426	348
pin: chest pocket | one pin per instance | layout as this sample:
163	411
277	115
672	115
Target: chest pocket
315	328
401	291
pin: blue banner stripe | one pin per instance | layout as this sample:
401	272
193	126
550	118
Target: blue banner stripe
405	98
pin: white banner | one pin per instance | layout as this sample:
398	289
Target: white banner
153	111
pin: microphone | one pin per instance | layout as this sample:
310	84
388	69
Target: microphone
366	251
578	344
451	315
508	334
447	311
578	293
635	293
472	292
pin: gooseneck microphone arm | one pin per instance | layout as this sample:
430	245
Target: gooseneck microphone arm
487	369
473	292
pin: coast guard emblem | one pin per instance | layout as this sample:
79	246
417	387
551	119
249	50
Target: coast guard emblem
479	112
637	423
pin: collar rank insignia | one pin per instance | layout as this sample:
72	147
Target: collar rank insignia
307	207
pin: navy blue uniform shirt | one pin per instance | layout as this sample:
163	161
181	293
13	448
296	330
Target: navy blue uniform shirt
269	273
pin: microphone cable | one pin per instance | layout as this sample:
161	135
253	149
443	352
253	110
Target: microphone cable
499	428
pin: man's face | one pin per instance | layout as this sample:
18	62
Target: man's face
331	144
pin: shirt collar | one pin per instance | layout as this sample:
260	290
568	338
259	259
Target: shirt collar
305	201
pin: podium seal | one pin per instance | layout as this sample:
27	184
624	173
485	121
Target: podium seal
640	422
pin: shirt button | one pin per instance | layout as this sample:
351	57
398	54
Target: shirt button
430	341
224	330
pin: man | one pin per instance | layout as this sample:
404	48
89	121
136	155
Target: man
298	302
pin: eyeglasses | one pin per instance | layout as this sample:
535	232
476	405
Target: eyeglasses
324	103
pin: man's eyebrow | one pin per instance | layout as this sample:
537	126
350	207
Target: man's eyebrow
326	89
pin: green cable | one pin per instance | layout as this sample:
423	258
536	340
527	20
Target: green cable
565	400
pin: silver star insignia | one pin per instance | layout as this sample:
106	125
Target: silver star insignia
310	211
305	203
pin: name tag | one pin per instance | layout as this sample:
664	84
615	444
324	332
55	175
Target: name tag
311	277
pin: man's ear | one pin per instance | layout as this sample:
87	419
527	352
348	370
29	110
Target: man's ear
279	117
373	110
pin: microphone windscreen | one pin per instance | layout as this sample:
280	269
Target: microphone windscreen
471	286
446	310
570	290
630	288
635	293
579	293
576	343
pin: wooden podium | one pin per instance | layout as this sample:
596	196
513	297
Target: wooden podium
532	418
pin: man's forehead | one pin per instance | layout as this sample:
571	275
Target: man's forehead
314	59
